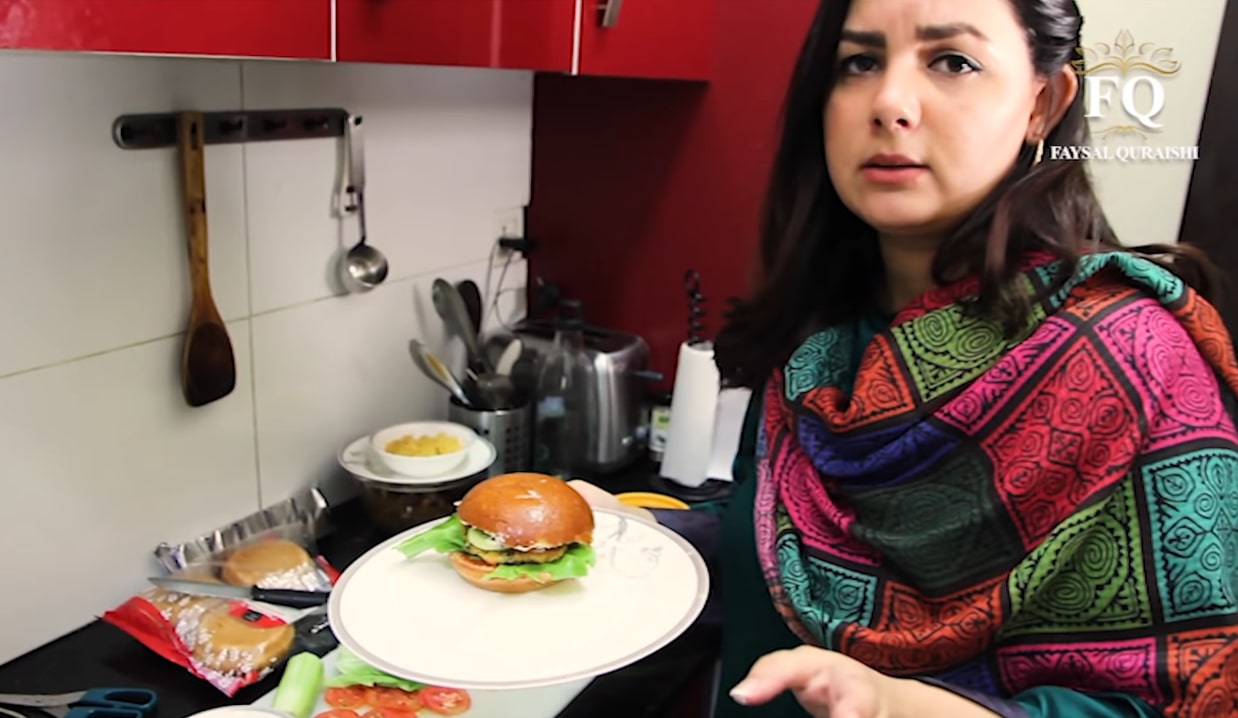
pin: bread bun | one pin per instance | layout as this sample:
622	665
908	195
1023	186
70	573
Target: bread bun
173	604
230	645
474	571
527	511
274	563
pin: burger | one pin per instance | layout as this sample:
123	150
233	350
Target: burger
514	533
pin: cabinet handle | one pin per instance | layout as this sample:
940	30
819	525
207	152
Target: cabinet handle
610	12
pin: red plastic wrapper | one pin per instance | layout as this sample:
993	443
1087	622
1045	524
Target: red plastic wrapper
231	643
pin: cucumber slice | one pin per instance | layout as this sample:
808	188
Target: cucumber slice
300	686
483	540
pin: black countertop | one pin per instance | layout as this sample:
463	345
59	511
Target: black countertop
100	655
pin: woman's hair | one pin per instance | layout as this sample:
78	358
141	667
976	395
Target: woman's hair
819	264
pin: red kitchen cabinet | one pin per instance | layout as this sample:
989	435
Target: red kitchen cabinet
671	39
236	28
511	34
630	38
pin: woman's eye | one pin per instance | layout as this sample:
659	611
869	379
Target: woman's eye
955	64
858	64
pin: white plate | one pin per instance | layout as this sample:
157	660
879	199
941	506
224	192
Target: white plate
417	619
358	459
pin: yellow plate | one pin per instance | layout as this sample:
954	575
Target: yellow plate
645	500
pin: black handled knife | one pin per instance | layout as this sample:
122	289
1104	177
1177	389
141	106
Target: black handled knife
278	596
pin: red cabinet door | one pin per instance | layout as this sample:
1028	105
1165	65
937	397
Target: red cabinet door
508	34
243	28
634	38
648	38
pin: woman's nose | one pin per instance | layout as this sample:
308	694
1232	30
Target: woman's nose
896	104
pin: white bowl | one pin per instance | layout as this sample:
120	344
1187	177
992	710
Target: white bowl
422	466
240	711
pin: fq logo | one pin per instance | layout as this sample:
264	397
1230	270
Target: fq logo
1126	78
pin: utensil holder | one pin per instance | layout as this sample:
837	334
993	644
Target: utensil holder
510	430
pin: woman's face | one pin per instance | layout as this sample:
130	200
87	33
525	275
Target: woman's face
933	101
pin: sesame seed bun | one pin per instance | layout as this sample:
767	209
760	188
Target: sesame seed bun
528	511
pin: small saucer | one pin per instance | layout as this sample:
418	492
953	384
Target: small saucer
357	459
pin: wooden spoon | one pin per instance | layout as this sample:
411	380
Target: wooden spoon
208	369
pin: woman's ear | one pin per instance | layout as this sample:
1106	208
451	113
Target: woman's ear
1055	95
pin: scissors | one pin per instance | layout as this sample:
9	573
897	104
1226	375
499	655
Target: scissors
94	703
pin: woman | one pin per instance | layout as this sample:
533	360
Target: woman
996	469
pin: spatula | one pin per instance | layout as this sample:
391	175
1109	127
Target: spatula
471	294
208	368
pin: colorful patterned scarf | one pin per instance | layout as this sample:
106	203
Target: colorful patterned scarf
1060	508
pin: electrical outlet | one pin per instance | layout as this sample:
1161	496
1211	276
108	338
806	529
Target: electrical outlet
509	223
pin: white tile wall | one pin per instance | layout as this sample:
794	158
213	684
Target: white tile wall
102	458
323	387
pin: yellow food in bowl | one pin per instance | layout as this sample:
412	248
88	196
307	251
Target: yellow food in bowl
426	445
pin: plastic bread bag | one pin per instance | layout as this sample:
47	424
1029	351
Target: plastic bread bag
276	547
234	643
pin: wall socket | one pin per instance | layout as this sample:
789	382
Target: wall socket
509	223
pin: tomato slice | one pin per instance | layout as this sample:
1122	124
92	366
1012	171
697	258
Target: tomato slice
446	701
338	713
394	698
345	697
389	713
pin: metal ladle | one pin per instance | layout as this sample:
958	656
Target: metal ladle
363	267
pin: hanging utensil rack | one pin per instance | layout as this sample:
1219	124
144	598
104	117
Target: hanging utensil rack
156	130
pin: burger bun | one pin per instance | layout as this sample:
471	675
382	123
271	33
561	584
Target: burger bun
528	511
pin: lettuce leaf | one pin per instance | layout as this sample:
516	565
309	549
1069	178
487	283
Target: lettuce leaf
449	536
574	563
355	672
446	537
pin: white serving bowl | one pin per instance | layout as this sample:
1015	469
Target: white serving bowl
422	466
240	712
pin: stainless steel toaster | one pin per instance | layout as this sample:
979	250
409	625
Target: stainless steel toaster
617	427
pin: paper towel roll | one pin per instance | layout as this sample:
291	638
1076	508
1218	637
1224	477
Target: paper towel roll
694	406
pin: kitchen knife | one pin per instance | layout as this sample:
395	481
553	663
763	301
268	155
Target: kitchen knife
278	596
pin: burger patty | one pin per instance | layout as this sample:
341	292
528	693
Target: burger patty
497	558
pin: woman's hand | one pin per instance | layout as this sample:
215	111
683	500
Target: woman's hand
831	685
827	684
601	499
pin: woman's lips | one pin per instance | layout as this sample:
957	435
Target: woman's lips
893	174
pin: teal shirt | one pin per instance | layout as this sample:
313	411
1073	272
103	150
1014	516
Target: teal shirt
752	628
